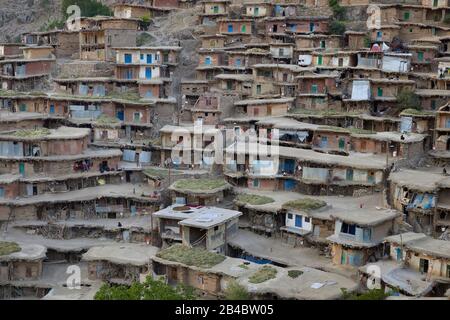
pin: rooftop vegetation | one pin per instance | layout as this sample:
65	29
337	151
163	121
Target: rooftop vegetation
32	133
415	112
306	204
7	248
263	274
160	172
200	184
191	256
254	199
294	273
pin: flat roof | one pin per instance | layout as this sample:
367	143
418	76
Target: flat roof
421	243
28	252
61	133
124	253
420	180
198	217
367	218
354	160
263	101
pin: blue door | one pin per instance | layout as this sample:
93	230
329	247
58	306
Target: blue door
298	221
289	166
128	58
230	28
120	115
311	27
52	108
148	73
149	58
448	124
289	184
324	142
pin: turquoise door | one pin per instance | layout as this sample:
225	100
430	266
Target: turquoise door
52	108
22	168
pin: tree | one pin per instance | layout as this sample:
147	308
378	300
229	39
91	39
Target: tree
407	99
337	27
151	289
235	291
89	8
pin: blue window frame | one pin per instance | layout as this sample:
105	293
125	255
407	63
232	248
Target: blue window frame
128	58
230	28
149	58
2	192
52	108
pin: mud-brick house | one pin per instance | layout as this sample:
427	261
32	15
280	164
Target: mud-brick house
25	74
213	10
257	9
423	57
314	90
248	58
442	129
213	41
394	145
239	85
432	99
265	107
66	44
384	33
44	142
211	62
188	146
442	217
306	25
430	257
414	192
99	36
17	102
435	4
331	139
10	121
199	192
165	3
207	228
191	90
207	109
317	41
119	264
89	87
38	52
22	262
416	121
358	236
282	52
414	265
10	50
132	11
275	79
355	40
333	60
303	170
236	27
385	90
145	63
9	186
410	31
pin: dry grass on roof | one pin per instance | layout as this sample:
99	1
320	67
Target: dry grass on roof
160	173
263	274
7	248
191	256
254	199
32	133
106	120
306	204
415	112
199	184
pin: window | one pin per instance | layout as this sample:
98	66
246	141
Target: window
406	15
142	56
367	234
320	60
290	216
256	183
230	28
314	88
136	117
208	61
22	108
433	104
380	92
244	28
216	9
423	265
307	219
281	52
2	192
348	228
448	271
128	58
322	44
258	89
420	56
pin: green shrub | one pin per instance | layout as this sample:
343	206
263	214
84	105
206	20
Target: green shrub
235	291
89	8
294	273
